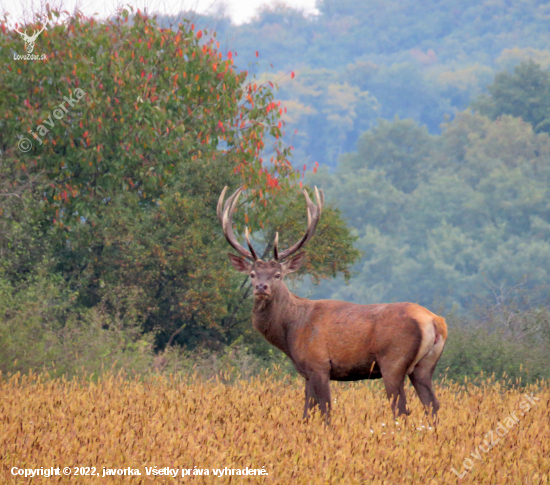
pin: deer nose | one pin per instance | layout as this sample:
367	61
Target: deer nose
261	287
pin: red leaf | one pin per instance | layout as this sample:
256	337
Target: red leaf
85	134
199	34
304	167
256	53
229	54
142	73
292	75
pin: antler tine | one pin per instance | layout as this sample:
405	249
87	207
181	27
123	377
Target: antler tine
247	236
313	216
320	199
276	248
231	203
220	207
227	223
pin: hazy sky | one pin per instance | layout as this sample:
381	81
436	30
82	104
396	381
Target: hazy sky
239	10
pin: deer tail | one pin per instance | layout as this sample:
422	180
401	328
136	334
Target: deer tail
440	328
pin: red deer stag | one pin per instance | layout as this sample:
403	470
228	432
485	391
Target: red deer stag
334	340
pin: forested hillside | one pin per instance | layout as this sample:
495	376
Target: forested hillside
358	61
448	218
447	203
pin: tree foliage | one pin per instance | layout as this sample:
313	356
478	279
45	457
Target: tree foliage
422	62
447	218
525	94
135	130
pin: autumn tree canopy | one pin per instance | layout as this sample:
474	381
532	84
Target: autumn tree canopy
132	131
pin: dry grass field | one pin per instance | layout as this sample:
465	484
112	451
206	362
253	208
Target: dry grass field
123	424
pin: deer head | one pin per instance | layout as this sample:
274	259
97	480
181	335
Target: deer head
267	276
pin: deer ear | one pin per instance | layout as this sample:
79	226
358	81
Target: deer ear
240	264
294	263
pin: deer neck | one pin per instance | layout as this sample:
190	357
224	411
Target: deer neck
272	318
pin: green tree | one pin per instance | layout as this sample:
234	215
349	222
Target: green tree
525	94
471	212
135	132
400	148
23	239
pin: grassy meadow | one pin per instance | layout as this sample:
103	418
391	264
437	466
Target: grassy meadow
115	422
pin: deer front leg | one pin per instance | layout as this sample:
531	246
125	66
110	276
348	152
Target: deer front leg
309	399
393	372
318	393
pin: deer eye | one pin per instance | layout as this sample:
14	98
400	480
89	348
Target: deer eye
252	275
277	276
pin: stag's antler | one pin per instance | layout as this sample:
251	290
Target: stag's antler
313	216
225	216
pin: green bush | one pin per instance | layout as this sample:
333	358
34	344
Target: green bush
41	327
506	341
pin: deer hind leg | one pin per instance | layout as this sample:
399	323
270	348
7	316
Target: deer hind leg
421	378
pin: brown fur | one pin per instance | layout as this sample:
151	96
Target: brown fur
334	340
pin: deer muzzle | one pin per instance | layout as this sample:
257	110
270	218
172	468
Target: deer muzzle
262	291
